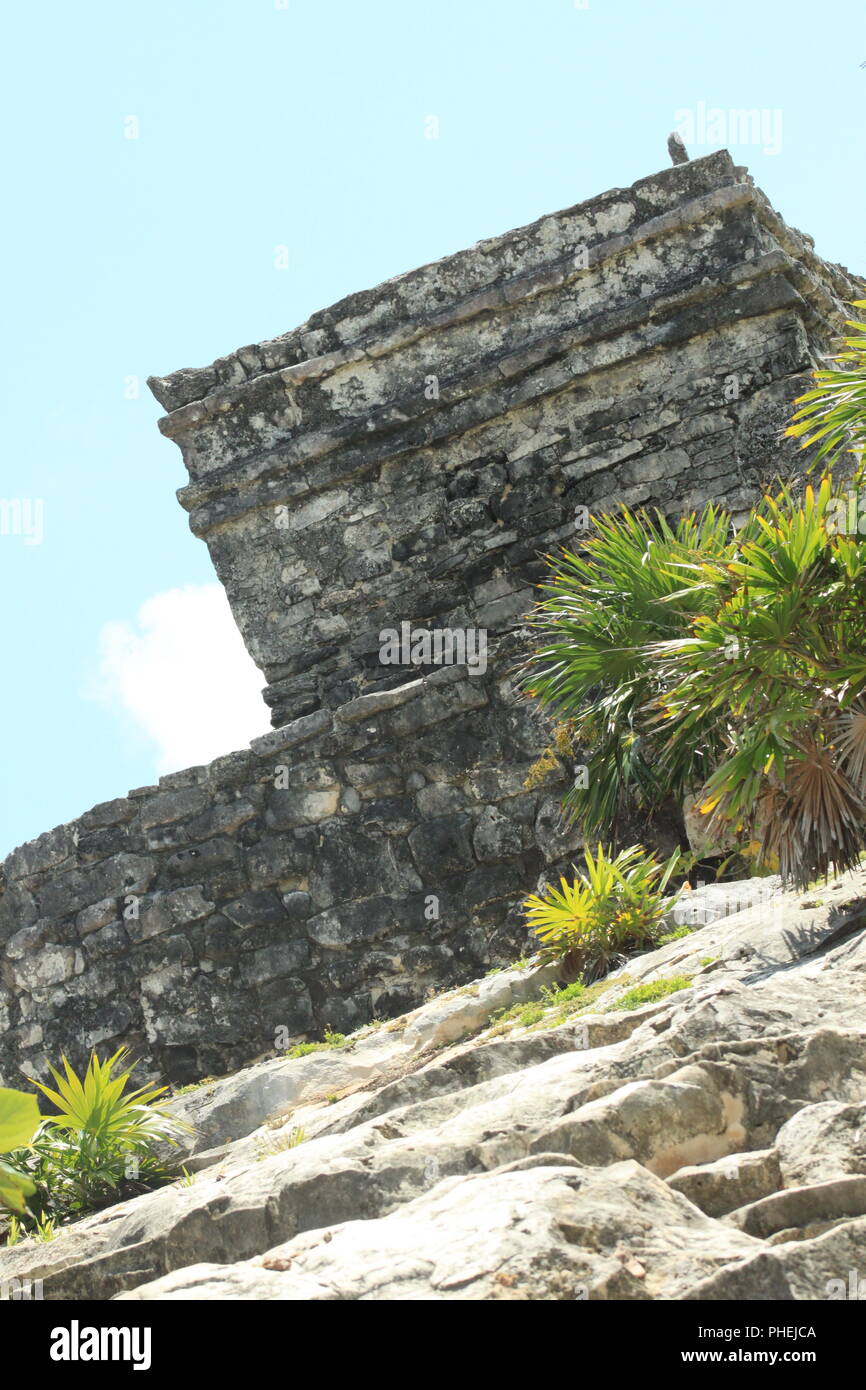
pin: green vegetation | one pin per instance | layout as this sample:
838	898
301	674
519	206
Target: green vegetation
517	1016
19	1121
605	611
649	993
696	657
555	1006
693	658
100	1144
575	993
331	1040
530	1014
45	1229
676	935
613	906
833	414
560	1005
193	1086
290	1140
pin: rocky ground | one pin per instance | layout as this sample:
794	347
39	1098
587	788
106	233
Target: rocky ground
692	1128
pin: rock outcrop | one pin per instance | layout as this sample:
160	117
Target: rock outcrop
704	1145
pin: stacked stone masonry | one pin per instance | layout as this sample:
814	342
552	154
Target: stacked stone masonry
339	870
409	455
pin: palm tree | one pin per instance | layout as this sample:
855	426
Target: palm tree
691	656
685	656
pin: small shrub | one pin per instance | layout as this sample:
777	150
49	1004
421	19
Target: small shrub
649	993
530	1014
331	1040
676	935
101	1141
566	994
556	1006
727	664
291	1140
45	1229
605	613
193	1086
612	907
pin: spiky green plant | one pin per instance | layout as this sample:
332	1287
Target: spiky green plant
832	416
99	1105
632	586
613	906
782	660
102	1137
756	692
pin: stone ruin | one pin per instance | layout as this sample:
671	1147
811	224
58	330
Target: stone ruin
402	463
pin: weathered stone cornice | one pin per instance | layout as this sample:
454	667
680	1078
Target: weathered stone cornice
275	437
552	277
361	319
424	440
285	473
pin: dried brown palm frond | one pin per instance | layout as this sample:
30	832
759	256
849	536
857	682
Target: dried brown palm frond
849	736
814	822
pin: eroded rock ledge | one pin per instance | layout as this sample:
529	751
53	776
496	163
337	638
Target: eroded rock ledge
708	1145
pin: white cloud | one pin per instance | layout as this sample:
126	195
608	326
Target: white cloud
181	672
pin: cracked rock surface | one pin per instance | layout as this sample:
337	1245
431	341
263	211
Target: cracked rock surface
707	1145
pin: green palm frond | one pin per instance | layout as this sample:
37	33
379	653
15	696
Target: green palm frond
692	657
99	1106
833	414
639	581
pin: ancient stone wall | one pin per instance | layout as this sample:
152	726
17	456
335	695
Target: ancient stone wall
406	457
341	869
408	454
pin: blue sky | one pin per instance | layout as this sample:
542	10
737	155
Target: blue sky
299	125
